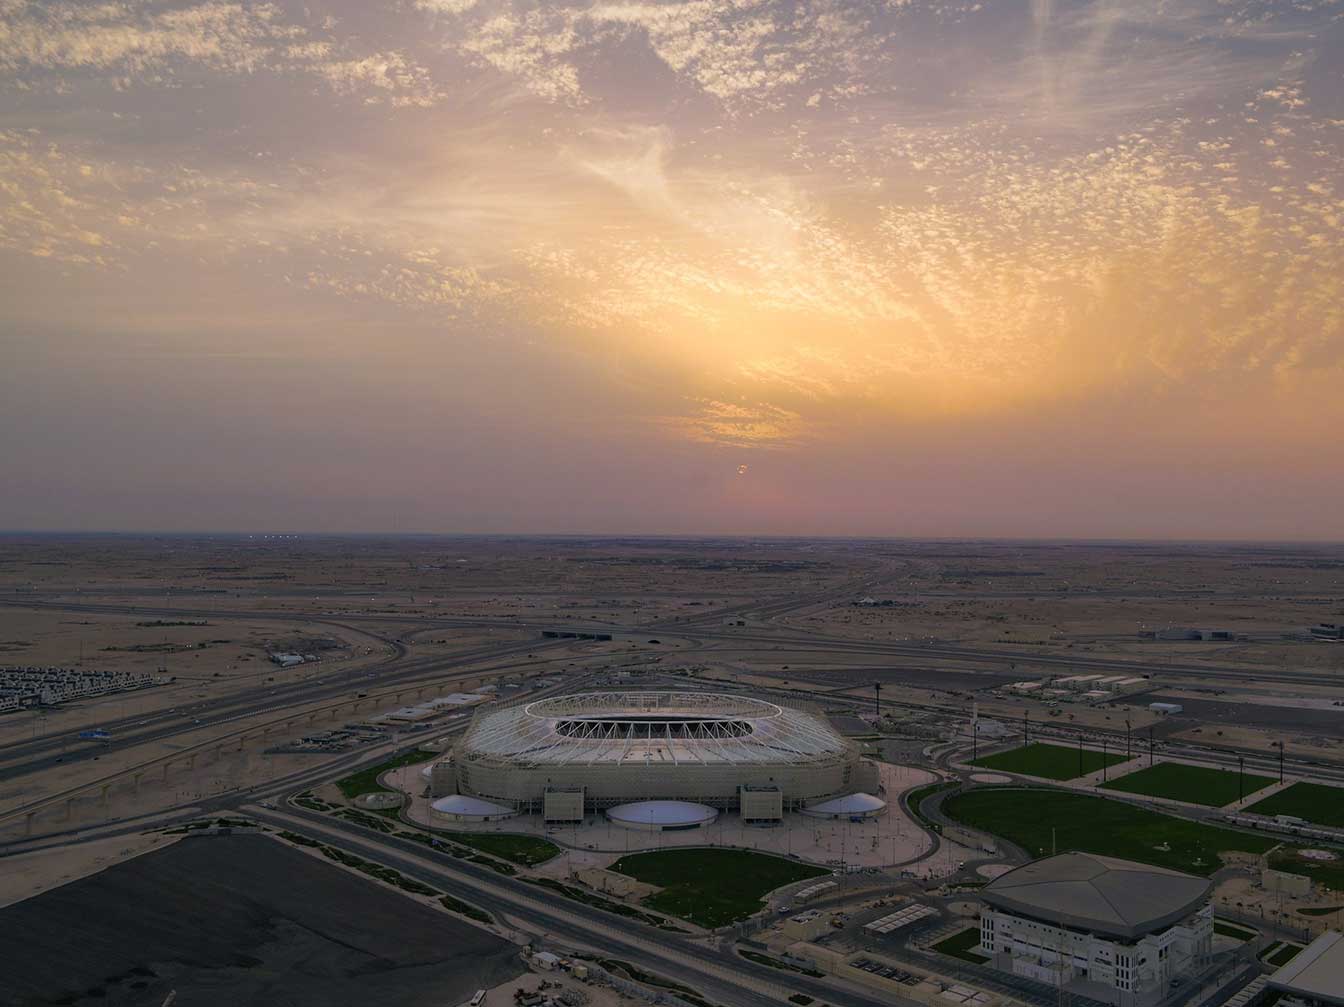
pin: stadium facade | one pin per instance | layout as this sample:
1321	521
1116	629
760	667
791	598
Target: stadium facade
565	755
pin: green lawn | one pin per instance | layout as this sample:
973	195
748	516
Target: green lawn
525	850
1312	802
959	946
712	887
1232	930
1051	762
916	796
1027	817
1280	954
1192	784
366	780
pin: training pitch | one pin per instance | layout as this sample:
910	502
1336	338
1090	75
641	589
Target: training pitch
1212	788
1050	762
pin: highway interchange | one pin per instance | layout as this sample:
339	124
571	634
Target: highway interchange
711	967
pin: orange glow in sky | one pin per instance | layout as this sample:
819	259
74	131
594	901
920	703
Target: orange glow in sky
889	267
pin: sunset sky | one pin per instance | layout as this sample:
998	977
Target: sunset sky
915	267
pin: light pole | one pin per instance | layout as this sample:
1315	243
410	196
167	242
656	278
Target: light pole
1129	749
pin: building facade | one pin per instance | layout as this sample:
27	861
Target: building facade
725	751
1108	929
1061	956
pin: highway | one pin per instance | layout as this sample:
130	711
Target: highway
716	972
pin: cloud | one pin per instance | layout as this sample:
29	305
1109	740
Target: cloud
59	44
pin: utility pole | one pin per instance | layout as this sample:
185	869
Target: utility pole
1103	758
1150	746
1280	744
1080	753
1241	777
1129	749
1026	738
877	699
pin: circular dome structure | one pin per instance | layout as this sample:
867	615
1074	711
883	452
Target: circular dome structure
460	808
625	747
850	806
662	816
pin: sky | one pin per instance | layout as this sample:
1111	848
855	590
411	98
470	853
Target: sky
1036	268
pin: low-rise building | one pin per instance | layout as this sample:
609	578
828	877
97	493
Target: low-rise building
1107	929
1315	977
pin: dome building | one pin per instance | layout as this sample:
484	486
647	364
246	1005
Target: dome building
565	755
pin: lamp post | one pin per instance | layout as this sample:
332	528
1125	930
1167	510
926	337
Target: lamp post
1129	750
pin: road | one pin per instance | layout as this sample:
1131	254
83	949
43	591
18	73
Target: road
716	972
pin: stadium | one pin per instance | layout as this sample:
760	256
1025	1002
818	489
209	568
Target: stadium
622	751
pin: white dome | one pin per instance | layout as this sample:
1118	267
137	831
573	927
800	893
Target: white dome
657	816
857	804
460	806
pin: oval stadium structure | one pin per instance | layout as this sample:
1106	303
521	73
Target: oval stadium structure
609	748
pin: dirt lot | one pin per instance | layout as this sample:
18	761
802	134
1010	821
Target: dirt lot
236	920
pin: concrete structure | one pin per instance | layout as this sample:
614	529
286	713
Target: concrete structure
761	805
662	816
1165	708
1078	683
851	806
1315	978
815	891
432	708
806	926
900	919
624	747
459	808
1296	885
562	805
442	778
1328	631
1108	929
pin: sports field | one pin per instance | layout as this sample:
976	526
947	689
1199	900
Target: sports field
1050	762
712	887
1041	820
1192	784
1312	802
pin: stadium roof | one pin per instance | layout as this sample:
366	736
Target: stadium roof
1114	898
1317	971
648	729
